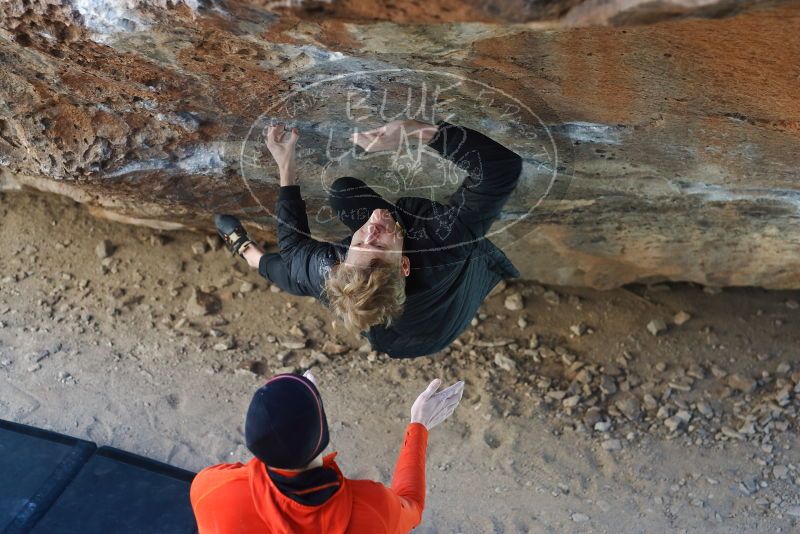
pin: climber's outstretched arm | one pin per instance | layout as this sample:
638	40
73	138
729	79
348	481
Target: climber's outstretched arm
493	169
306	259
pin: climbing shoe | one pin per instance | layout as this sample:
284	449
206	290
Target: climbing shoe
232	233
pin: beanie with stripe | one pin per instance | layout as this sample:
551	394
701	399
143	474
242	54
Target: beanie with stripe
286	425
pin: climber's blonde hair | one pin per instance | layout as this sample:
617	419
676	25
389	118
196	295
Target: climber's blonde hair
363	297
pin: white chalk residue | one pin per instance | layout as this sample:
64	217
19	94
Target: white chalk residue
289	3
496	127
107	17
203	159
718	193
322	55
145	165
321	58
589	132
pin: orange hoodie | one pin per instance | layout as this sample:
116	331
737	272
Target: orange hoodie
242	499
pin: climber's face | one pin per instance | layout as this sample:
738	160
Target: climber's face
381	237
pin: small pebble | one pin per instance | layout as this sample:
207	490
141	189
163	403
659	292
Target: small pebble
104	249
742	383
580	518
578	329
611	445
199	247
681	317
514	302
657	327
504	362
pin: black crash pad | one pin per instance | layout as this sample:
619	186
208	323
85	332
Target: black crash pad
35	467
54	484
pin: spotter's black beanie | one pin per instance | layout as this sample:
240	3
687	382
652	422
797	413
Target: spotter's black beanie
286	425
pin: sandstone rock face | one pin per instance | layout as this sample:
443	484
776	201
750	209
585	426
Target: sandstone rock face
664	151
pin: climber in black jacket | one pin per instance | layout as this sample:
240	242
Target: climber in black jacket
413	274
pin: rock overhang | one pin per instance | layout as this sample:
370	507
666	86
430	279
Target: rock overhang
670	154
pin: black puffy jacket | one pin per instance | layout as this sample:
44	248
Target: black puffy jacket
453	265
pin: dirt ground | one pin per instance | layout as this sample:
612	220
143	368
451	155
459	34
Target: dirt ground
576	417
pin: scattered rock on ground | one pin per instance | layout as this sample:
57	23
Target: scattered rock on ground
256	367
514	302
718	371
202	303
681	317
293	343
504	362
551	297
579	329
313	359
580	518
227	344
104	249
629	406
657	327
329	347
705	409
246	287
608	386
611	445
602	426
742	383
214	242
